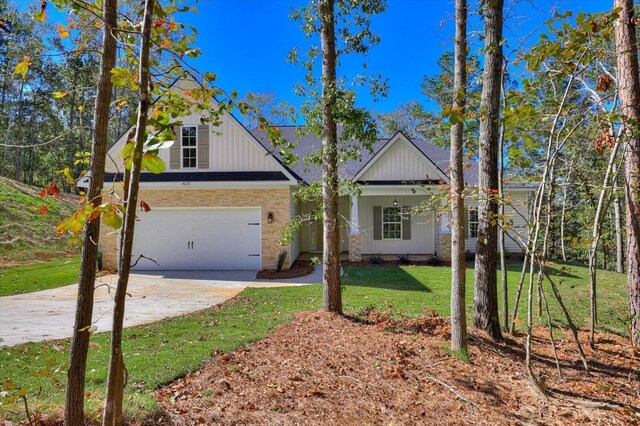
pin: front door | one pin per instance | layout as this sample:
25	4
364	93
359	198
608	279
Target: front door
315	235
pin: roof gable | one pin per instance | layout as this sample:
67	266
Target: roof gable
232	147
400	160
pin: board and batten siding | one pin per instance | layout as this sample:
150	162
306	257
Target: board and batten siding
422	226
231	149
401	161
519	225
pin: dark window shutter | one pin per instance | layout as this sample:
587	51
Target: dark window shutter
377	222
174	151
406	222
203	146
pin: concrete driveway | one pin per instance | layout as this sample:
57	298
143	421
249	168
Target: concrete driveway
49	314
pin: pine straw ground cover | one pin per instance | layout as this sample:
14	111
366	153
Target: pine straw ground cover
326	369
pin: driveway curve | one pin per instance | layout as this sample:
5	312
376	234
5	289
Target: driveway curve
49	314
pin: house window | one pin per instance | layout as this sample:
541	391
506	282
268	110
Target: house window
473	222
392	223
189	147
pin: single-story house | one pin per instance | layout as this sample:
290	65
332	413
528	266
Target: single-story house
226	196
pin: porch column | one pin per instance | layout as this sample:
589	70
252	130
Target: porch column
355	237
355	227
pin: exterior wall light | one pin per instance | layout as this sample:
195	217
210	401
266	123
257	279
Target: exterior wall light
395	202
270	217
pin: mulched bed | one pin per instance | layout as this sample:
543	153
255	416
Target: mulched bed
300	268
378	369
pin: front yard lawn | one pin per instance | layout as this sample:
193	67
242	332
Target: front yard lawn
158	353
411	289
39	276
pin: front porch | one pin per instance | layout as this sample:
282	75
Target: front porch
382	221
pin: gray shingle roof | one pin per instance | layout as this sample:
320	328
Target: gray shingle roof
307	142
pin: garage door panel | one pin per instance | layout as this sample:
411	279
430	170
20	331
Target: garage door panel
163	261
217	230
222	239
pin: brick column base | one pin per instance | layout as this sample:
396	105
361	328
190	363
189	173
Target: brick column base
355	247
445	247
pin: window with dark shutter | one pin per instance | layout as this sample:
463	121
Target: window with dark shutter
189	147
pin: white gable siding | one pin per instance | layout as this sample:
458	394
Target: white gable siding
232	148
401	161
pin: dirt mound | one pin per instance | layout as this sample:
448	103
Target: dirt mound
326	369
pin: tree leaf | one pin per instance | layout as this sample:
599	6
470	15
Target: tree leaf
23	67
153	163
112	219
64	32
120	76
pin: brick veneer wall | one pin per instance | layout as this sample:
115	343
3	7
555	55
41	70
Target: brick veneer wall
270	200
355	247
445	247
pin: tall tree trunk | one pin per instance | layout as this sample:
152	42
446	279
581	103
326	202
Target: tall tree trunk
501	214
562	216
617	219
5	112
115	382
7	138
18	156
331	231
72	120
18	163
458	312
74	403
595	238
629	87
485	297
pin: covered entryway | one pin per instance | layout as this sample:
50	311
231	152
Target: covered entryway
198	239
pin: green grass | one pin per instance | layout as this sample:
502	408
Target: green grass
26	234
411	289
39	276
158	353
155	353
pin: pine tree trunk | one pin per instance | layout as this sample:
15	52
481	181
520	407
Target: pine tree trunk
115	382
331	231
629	88
485	297
618	229
74	403
458	312
501	211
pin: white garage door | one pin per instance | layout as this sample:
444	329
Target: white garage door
198	239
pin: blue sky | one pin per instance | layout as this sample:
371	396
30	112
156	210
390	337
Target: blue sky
245	42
